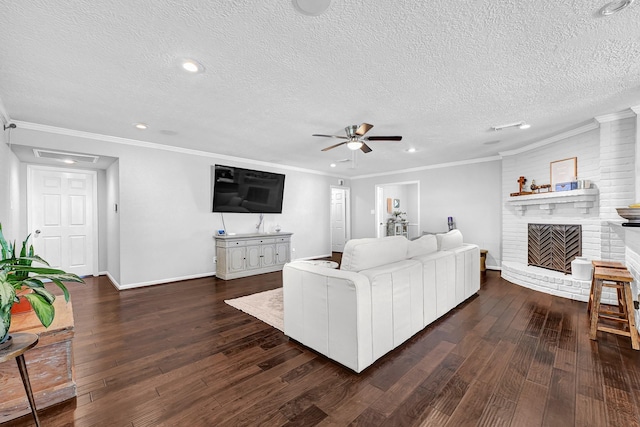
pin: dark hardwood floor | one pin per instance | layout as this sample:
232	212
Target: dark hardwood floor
177	355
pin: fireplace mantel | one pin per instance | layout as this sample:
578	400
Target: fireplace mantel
581	200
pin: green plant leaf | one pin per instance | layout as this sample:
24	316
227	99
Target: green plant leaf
48	296
37	270
6	249
30	283
61	285
27	260
43	309
7	293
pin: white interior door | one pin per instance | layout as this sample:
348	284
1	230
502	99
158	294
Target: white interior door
339	228
381	229
62	217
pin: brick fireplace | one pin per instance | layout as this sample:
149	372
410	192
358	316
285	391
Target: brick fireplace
554	246
605	150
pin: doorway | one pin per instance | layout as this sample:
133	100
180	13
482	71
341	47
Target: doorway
62	217
340	218
398	197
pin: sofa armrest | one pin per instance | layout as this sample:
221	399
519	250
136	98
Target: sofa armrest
329	311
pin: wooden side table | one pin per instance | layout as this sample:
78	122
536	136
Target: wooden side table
21	342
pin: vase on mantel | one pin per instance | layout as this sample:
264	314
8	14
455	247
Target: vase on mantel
581	268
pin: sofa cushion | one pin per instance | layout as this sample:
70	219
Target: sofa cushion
361	254
450	240
423	246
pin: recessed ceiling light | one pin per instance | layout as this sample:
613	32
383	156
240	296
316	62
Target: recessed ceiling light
311	7
524	125
140	126
192	66
69	161
411	150
615	7
333	165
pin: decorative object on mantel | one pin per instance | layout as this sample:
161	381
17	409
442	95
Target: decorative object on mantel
522	180
562	172
566	186
536	188
632	213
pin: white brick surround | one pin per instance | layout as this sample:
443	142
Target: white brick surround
606	155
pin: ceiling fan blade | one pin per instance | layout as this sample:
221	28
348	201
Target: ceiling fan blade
383	138
365	148
364	128
330	136
333	146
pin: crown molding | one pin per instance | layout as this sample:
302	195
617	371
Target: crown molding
155	146
624	114
423	168
4	115
555	138
635	109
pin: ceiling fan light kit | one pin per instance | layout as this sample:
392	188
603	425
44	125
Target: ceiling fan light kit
354	145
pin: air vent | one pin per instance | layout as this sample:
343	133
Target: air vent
62	156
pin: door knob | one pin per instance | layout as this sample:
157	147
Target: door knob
37	232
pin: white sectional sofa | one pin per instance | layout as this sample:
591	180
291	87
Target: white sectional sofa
385	291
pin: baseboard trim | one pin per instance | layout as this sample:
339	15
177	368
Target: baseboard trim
113	281
163	281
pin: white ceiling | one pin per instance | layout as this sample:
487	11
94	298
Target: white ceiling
440	73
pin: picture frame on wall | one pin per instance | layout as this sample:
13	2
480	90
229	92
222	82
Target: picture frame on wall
563	171
396	203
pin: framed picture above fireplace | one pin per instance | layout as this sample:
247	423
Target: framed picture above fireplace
563	171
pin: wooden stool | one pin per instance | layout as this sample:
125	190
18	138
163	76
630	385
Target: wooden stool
606	264
621	280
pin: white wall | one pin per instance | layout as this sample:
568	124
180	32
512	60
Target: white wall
112	219
471	193
166	225
9	190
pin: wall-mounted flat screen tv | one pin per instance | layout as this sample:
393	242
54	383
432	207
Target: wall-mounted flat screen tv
246	190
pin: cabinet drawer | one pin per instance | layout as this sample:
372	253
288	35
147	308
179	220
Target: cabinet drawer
261	241
230	243
282	239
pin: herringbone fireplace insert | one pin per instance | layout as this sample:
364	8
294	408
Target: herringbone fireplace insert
554	246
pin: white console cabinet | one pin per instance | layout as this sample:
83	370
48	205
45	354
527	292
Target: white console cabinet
242	255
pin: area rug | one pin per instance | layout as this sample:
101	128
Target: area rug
266	306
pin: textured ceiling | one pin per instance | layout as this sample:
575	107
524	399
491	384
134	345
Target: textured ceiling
440	73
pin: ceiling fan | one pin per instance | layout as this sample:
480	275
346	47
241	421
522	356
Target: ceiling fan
355	138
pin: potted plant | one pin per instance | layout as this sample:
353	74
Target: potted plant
398	216
17	273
